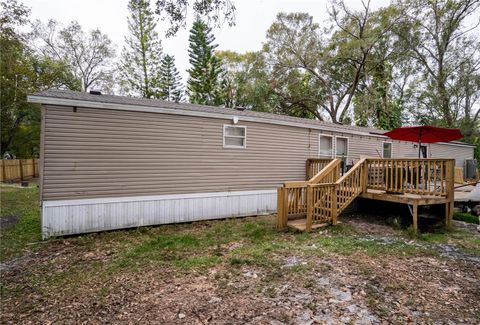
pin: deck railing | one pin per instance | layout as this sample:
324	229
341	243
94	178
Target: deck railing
325	195
323	208
416	176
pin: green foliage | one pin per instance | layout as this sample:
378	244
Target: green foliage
467	217
140	66
436	35
373	105
205	82
170	87
381	67
470	128
316	76
246	81
438	39
24	72
294	50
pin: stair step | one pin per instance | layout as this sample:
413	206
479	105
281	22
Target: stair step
301	224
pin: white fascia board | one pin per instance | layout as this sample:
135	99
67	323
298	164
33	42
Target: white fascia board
179	111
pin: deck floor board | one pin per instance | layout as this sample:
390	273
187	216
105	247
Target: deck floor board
406	198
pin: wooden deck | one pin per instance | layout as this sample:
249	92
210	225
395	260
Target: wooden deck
319	200
415	200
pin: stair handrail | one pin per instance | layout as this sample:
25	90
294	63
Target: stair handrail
351	171
360	165
332	166
286	201
317	178
337	208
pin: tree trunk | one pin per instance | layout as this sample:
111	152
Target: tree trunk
445	103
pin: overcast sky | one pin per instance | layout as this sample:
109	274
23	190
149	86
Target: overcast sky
253	17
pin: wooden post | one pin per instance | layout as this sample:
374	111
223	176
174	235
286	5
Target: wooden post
310	202
447	215
281	212
21	169
415	216
285	208
334	205
365	176
449	180
279	208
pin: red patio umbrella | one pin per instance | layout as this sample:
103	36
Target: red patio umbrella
424	134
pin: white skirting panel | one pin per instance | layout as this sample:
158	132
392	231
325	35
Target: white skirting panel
69	217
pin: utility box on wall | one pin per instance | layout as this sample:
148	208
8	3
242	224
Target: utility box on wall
470	168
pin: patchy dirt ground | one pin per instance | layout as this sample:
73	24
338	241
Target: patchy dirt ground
363	271
358	273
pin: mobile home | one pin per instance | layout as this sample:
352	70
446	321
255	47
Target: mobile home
110	162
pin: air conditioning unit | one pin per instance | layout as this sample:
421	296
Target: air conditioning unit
470	168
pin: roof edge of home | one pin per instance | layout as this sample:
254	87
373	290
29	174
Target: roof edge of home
68	102
46	100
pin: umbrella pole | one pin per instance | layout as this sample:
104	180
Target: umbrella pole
419	143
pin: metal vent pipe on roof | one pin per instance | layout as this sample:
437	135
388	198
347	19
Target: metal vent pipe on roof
95	92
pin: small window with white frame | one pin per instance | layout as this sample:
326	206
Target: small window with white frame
325	146
234	136
387	150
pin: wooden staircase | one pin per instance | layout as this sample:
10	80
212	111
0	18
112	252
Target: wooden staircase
306	205
318	201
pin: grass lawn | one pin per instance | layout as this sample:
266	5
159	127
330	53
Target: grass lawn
234	271
20	216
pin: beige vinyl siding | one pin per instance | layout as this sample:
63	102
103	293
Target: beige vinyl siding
106	153
406	149
460	153
360	147
437	150
94	153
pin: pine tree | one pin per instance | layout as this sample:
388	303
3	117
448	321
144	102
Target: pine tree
140	61
170	87
204	85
